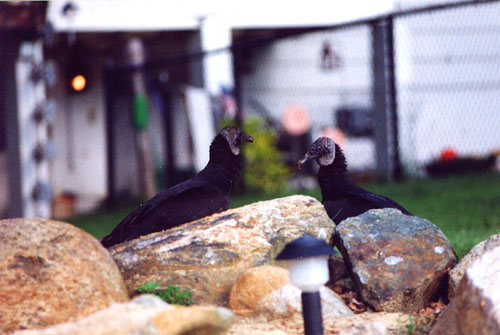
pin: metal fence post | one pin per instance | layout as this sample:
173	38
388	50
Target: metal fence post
8	73
384	98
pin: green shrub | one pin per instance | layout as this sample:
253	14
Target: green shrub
265	170
171	295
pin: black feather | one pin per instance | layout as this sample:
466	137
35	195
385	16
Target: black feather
206	193
341	197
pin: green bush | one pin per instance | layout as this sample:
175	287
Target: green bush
171	295
265	170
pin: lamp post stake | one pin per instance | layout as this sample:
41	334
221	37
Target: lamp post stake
307	259
311	311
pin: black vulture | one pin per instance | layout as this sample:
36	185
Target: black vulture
206	193
340	196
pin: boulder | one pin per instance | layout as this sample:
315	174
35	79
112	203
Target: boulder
52	272
145	315
475	309
253	285
457	273
398	262
206	256
267	291
287	300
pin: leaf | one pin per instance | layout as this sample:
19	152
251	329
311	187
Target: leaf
148	287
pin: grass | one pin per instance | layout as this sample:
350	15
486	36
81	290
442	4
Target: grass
466	208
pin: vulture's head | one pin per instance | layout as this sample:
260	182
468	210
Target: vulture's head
235	138
322	150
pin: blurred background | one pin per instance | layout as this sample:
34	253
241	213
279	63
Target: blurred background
105	103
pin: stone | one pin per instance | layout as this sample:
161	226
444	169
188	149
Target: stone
206	256
52	272
253	285
287	300
457	273
337	268
475	309
194	320
399	263
267	291
145	315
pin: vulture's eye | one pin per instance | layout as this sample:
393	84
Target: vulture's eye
318	147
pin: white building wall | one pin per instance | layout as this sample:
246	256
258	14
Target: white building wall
449	84
80	162
289	71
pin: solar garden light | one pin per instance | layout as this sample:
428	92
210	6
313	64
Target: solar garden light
307	259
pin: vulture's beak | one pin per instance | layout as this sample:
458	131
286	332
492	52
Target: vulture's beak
303	160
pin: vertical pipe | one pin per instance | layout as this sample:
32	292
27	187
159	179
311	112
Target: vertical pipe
110	133
393	107
311	310
384	98
380	101
169	140
237	53
10	45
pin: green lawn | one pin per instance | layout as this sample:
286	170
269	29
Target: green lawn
467	209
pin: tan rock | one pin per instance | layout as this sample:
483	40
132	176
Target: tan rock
194	320
267	291
287	301
457	273
51	272
206	256
145	315
475	309
253	285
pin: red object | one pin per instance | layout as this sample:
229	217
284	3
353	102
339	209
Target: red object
448	154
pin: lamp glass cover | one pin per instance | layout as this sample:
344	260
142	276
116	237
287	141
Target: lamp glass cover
310	273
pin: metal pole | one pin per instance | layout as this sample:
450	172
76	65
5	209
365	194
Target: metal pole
385	103
10	45
110	136
393	106
311	311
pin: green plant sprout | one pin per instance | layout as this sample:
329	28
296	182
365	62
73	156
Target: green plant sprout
171	294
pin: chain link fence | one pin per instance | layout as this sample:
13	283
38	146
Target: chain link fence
448	85
445	85
401	94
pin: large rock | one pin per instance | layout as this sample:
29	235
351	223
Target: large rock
457	273
399	262
206	256
475	309
253	285
145	315
268	292
51	272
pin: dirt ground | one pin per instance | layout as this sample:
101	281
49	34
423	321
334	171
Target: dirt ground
365	323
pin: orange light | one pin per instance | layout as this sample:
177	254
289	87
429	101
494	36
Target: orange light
78	83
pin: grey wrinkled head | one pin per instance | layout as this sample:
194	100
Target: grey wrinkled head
322	150
235	138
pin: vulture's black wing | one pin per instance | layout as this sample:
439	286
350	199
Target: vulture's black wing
354	200
377	200
182	203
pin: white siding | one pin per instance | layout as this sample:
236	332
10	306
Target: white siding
288	71
449	83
